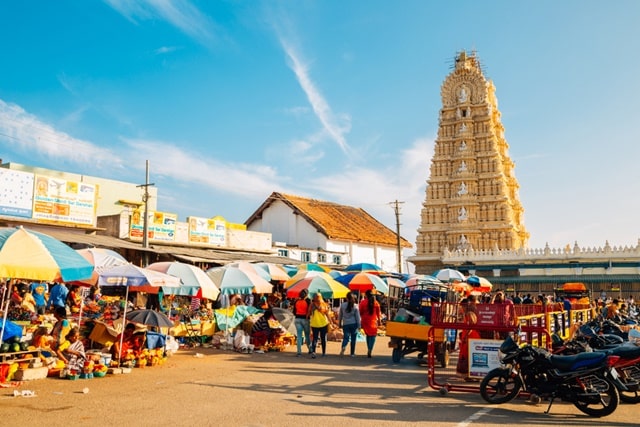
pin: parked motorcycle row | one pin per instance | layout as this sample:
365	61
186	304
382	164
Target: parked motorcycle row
595	370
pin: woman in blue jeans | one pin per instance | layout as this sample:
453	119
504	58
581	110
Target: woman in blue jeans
349	320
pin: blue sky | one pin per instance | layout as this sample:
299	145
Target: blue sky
336	100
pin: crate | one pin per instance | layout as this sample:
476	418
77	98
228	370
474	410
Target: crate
31	374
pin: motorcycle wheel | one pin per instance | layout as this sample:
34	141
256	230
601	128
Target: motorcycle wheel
607	403
629	396
498	386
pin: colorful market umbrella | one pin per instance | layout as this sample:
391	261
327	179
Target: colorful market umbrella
250	268
276	272
130	275
479	283
102	259
364	267
35	256
193	281
312	266
336	273
302	274
30	255
231	280
321	283
449	275
364	281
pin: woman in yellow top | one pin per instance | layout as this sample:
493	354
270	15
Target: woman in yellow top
319	322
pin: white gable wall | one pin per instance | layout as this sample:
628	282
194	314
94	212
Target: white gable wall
357	252
294	230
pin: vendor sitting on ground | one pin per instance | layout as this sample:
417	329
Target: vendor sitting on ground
71	352
266	329
130	341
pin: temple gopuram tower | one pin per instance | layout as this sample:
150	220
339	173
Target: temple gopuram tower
472	201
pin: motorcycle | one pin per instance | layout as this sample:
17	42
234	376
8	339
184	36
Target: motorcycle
628	366
588	380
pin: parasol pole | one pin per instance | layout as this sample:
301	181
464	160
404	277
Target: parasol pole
124	325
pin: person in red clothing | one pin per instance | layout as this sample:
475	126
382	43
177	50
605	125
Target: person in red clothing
300	310
370	317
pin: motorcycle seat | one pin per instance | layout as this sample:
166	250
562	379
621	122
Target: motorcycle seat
573	362
626	351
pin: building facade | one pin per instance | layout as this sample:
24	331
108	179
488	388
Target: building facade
311	230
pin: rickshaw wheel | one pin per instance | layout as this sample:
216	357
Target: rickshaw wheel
396	355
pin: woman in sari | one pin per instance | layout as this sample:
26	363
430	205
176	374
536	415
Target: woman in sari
71	352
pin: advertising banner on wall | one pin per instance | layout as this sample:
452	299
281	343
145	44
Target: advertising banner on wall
16	193
209	231
59	200
161	226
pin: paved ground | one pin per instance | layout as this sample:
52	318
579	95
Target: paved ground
225	388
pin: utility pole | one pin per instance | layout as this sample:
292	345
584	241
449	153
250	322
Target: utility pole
145	222
396	208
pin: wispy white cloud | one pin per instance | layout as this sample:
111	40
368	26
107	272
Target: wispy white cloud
170	160
181	14
403	178
28	134
165	49
336	127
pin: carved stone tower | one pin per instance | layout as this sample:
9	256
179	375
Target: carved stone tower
472	200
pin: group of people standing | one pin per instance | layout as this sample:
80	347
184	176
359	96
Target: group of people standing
40	297
312	320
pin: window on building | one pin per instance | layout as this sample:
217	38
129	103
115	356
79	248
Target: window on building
322	257
283	252
337	259
305	256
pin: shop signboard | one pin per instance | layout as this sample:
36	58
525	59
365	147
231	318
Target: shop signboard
62	201
484	355
209	231
161	226
16	193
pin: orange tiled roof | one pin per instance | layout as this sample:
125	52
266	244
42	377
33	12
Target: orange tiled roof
338	222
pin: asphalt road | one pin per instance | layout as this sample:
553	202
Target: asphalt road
225	388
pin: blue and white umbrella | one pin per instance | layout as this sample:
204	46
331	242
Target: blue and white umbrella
449	275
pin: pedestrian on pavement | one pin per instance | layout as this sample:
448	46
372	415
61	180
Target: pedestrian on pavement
349	321
319	322
370	317
300	311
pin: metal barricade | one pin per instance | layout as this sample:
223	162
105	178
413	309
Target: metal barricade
490	320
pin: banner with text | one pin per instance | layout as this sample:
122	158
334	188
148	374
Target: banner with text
161	226
210	231
58	200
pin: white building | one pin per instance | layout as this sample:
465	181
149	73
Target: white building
309	230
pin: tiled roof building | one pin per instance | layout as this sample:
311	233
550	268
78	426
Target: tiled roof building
327	227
